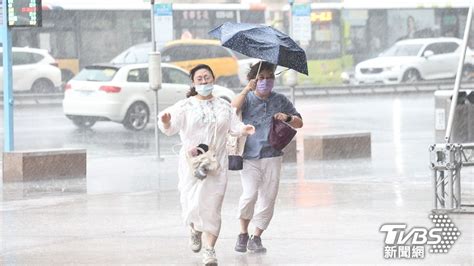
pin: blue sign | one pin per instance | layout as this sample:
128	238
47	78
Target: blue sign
301	10
163	10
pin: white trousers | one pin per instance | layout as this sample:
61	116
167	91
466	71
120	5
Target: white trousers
260	181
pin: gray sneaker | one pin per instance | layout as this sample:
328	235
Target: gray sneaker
255	245
241	245
195	241
209	257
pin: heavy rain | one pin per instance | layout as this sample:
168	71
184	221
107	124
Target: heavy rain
89	178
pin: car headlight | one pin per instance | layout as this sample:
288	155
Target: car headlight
392	68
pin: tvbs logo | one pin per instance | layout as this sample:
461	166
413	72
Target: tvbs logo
397	235
403	243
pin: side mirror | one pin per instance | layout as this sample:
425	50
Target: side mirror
428	53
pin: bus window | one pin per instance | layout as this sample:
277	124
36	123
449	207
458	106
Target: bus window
252	16
376	33
326	36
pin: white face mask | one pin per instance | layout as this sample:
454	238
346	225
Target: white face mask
205	89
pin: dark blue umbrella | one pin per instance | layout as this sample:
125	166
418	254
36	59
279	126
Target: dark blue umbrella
263	42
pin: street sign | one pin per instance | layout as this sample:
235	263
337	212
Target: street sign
301	16
163	23
24	13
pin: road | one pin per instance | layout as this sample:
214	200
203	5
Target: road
130	213
401	126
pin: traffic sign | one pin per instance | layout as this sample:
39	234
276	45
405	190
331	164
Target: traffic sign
24	13
301	16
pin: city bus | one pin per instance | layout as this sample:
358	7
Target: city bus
82	32
344	34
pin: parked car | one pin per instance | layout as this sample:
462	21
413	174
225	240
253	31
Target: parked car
187	54
413	60
121	93
33	70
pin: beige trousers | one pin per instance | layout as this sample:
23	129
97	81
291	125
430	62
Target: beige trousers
260	181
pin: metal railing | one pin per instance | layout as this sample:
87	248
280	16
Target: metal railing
36	99
424	86
25	98
447	161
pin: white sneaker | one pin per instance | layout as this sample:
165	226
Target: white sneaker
195	241
209	257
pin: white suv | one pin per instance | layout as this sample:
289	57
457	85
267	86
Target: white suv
413	60
33	70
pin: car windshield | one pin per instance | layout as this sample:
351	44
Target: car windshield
132	56
136	54
96	74
403	50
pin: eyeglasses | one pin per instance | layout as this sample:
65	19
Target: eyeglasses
203	78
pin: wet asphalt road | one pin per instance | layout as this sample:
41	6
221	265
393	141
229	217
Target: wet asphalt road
401	127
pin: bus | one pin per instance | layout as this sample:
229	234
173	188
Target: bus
82	32
346	33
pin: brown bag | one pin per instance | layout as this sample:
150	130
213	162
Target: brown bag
281	134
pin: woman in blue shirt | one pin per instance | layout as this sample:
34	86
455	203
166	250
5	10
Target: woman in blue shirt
262	163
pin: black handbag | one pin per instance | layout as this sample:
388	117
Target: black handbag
236	162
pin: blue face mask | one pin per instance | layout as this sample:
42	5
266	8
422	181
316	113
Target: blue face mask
204	90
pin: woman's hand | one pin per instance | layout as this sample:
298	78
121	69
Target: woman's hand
248	130
166	119
281	116
250	86
239	100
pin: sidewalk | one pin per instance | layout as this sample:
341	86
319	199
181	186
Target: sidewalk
130	215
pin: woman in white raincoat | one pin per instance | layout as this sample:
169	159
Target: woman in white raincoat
196	118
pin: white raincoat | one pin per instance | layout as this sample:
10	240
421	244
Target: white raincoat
195	120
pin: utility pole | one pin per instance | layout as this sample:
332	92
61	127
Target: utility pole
290	33
154	74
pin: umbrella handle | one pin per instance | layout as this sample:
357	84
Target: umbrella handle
258	71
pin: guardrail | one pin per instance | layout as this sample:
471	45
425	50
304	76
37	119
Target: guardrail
301	90
425	86
36	99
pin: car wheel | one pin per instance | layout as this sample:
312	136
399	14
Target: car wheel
83	122
411	75
42	86
137	117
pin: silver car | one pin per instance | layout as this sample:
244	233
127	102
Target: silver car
413	60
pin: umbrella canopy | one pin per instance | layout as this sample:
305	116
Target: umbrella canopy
263	42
